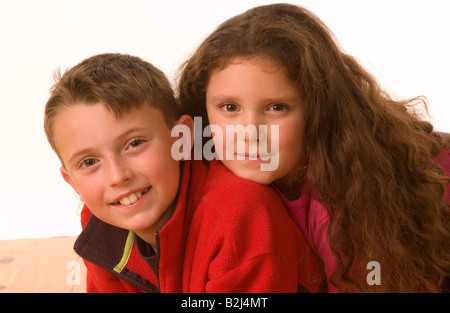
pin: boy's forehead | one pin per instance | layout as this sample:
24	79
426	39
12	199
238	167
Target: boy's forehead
81	111
116	110
84	123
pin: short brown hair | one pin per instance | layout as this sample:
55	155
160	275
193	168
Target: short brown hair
120	82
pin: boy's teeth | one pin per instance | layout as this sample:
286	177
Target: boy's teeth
134	197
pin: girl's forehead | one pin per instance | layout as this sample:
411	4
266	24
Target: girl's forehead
255	71
265	62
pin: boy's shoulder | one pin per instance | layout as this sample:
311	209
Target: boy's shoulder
243	217
220	200
227	197
223	183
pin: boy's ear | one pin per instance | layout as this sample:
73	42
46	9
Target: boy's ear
189	122
68	179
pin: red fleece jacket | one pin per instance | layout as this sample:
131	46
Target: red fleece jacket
227	234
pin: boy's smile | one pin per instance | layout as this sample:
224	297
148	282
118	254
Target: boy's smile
132	198
121	167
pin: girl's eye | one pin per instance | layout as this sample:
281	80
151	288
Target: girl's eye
229	107
88	163
277	107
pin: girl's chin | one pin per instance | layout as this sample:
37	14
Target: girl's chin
255	175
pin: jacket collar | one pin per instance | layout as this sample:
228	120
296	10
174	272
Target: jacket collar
108	246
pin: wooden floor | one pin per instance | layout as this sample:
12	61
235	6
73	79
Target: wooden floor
46	265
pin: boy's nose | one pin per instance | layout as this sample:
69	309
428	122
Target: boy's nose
118	171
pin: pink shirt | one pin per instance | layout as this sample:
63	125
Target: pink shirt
313	225
444	160
312	219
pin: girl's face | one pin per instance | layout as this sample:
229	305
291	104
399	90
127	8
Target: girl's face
256	92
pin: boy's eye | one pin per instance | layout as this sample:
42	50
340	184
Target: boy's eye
135	143
88	163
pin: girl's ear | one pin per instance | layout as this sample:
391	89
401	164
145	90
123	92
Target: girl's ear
69	180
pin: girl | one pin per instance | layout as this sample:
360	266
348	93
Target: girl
358	170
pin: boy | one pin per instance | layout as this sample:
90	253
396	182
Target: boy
158	224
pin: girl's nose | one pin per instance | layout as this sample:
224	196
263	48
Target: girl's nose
248	122
253	121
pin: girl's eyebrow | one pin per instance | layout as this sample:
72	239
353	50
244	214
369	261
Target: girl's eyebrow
224	98
282	99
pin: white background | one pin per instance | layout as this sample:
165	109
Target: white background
404	43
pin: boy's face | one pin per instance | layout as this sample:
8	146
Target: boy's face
257	92
121	167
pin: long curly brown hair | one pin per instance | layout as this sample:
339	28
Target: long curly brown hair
368	156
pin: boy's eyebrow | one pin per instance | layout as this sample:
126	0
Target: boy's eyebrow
131	131
77	154
118	138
